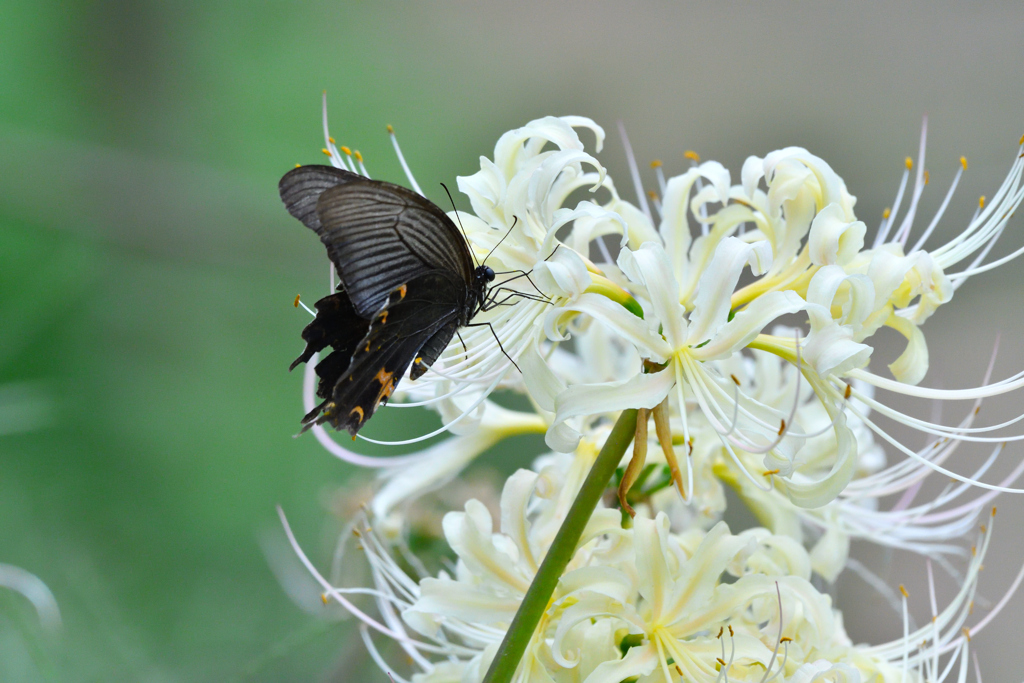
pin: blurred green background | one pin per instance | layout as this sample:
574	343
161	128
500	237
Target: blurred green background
147	268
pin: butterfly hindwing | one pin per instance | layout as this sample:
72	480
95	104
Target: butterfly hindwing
336	325
381	235
432	348
423	310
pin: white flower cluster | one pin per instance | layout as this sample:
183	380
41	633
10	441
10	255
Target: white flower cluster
675	326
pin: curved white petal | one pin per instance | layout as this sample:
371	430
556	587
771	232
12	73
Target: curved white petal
832	350
641	391
748	323
563	274
833	238
541	382
912	365
716	285
639	661
650	267
616	317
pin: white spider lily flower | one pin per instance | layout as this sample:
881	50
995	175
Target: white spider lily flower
683	604
688	346
495	569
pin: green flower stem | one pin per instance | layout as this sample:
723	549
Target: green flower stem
538	596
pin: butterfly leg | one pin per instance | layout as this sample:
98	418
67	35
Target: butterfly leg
495	339
522	273
461	341
492	298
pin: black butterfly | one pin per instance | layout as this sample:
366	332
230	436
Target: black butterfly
407	285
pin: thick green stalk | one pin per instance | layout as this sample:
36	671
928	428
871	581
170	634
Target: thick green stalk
538	596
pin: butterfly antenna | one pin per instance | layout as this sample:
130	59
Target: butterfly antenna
515	219
468	243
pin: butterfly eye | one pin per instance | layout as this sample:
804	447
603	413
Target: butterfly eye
488	273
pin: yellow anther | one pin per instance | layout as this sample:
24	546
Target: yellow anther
970	607
679	670
296	302
735	381
652	194
298	165
984	529
963	162
886	213
785	639
391	129
717	659
926	177
324	598
359	157
721	630
656	163
993	512
904	591
330	139
1021	140
909	163
981	202
770	473
730	630
691	155
849	390
326	151
967	633
782	427
346	150
974	551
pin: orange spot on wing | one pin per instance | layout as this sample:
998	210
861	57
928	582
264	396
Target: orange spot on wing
360	412
383	318
402	289
387	385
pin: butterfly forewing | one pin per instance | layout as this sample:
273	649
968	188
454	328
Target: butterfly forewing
381	236
301	188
